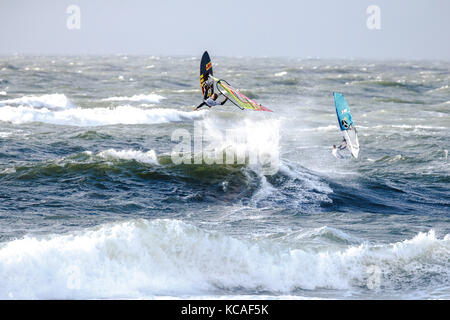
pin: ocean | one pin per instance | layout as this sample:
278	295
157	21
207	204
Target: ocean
93	205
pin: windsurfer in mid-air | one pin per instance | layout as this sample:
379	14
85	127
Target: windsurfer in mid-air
211	101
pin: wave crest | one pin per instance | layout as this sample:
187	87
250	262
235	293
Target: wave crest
54	101
151	258
96	116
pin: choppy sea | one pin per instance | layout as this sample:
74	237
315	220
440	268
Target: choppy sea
92	205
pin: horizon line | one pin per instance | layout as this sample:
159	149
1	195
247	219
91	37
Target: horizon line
390	59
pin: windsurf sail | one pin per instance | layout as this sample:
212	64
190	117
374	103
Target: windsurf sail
206	70
237	98
346	123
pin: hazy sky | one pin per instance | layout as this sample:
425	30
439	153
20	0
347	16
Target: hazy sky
410	29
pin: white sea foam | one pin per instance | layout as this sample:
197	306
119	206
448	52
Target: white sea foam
404	126
149	98
8	171
280	74
312	190
443	88
168	257
5	134
256	145
96	116
320	128
129	154
258	140
265	190
54	101
187	90
329	233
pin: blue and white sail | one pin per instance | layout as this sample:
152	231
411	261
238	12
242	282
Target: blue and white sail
346	123
343	111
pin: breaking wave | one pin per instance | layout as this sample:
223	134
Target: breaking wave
96	116
169	257
49	101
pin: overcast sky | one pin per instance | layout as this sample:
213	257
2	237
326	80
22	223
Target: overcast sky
410	29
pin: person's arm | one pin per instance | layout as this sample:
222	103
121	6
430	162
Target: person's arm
223	102
200	105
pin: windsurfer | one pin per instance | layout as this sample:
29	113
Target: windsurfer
211	101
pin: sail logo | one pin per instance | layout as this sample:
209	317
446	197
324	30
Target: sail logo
208	66
345	123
